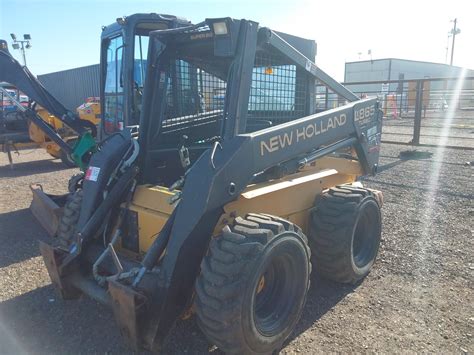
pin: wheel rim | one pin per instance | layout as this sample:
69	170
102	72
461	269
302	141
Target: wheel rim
274	301
364	242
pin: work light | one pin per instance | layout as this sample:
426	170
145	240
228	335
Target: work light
219	28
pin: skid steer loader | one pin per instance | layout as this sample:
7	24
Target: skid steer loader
233	192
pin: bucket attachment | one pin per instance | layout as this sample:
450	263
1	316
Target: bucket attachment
47	208
128	306
52	259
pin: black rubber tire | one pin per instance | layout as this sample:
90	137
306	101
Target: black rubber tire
68	221
236	310
345	232
75	182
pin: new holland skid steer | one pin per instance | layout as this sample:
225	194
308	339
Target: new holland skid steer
233	191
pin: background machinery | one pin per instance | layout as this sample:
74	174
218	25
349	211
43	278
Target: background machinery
124	46
19	76
123	60
222	208
18	131
89	111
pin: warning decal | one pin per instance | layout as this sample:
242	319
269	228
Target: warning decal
92	173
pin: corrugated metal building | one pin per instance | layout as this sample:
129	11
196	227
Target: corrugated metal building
396	69
72	87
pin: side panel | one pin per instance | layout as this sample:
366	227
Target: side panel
290	198
150	224
151	203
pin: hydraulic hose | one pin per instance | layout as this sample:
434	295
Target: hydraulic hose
111	200
157	248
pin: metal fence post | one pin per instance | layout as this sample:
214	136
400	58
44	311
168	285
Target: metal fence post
326	98
401	100
418	109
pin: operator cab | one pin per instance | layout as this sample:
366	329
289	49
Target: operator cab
124	48
200	92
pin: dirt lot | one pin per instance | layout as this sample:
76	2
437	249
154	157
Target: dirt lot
418	298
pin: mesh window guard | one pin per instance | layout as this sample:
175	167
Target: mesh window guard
194	105
278	92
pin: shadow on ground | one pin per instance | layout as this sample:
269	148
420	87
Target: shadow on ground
38	166
19	236
38	321
323	296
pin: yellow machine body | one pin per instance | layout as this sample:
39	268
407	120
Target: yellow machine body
153	209
38	136
89	111
287	198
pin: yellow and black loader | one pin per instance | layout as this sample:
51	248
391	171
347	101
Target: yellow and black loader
234	190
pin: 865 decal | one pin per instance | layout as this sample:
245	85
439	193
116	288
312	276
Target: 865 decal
364	114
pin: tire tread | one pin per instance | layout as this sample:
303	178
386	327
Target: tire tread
219	286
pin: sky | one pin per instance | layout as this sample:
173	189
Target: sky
66	34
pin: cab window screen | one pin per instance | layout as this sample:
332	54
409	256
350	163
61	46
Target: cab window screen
278	91
194	105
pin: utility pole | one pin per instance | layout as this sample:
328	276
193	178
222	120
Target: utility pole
23	52
454	32
447	49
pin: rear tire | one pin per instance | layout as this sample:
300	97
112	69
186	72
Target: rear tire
253	284
68	221
345	232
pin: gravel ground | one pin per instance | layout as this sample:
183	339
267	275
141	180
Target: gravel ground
418	298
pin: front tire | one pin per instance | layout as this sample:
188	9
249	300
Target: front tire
75	182
68	222
253	284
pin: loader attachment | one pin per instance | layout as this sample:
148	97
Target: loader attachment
52	258
47	208
127	305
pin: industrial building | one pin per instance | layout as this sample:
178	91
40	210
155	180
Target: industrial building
390	69
391	82
72	87
398	69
